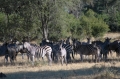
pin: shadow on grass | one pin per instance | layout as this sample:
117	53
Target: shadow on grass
86	73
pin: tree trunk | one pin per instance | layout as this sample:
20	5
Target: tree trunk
45	31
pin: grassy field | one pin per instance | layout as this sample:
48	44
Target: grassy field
74	70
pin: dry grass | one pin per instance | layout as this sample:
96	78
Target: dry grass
75	70
112	35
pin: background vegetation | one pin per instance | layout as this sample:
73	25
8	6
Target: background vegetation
55	19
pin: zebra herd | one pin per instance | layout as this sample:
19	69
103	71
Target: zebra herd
60	51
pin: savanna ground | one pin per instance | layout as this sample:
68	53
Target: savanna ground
74	70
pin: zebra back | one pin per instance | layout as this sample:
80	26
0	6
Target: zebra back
87	49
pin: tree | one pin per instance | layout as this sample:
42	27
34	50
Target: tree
93	25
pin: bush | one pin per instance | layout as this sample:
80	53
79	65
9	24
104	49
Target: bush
93	24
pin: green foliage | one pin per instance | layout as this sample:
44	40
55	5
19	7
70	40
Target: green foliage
93	25
2	26
114	22
58	19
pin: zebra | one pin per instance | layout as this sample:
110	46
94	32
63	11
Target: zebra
103	46
69	50
13	49
76	43
55	48
55	51
115	46
61	54
87	49
39	51
3	51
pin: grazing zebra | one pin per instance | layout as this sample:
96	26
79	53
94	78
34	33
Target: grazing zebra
39	51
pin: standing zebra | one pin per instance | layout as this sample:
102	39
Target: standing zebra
3	51
88	49
104	47
38	51
62	54
114	46
69	50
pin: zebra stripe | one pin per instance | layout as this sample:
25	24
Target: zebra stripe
46	50
69	49
38	51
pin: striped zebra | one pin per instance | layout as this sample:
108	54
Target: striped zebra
88	49
69	50
62	54
55	49
44	50
38	51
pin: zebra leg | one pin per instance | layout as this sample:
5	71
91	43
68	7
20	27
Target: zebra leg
56	59
65	60
96	57
49	60
22	56
92	58
28	56
68	57
6	59
37	56
62	59
11	59
111	53
105	57
32	59
72	54
81	56
53	56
